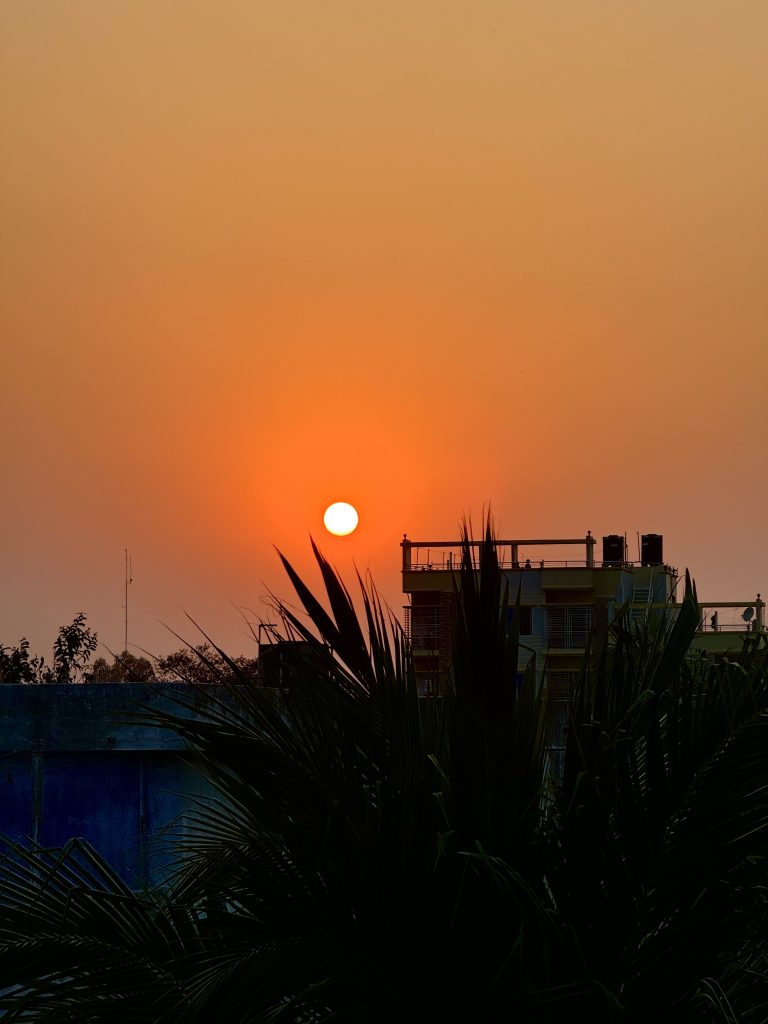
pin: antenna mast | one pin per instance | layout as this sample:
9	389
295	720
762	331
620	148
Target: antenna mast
128	582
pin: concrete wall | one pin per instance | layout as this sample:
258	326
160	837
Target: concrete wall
72	764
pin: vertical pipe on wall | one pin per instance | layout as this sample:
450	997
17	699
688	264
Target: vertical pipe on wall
143	852
37	795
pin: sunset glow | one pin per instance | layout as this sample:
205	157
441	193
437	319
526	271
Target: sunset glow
438	256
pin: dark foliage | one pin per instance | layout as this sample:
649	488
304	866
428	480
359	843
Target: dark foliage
203	665
123	667
72	650
375	857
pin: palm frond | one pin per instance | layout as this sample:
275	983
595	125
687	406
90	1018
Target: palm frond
75	942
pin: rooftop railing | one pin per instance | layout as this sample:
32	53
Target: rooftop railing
446	556
442	555
717	616
438	562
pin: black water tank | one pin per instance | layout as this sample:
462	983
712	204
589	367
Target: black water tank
613	549
652	549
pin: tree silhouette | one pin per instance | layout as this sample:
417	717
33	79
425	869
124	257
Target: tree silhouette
72	650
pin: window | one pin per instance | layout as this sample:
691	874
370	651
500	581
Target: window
568	625
422	627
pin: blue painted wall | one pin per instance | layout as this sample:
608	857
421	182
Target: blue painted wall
72	765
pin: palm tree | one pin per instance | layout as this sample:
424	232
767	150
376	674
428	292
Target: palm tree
658	836
371	856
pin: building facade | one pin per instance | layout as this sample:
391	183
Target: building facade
565	593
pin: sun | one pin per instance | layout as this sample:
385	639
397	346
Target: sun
341	518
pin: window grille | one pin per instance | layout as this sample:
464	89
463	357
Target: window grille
568	626
422	627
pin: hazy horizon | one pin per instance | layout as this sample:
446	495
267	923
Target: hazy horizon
426	258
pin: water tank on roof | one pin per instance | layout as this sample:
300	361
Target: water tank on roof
652	549
613	549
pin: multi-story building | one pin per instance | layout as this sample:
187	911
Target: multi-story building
564	593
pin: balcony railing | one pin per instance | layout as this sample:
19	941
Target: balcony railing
722	616
422	627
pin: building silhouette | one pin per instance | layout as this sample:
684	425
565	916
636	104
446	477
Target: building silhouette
566	593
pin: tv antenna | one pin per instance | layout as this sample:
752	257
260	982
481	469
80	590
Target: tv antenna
128	582
748	613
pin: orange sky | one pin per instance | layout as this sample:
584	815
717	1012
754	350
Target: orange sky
422	256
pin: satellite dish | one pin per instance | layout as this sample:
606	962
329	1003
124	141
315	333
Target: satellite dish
747	614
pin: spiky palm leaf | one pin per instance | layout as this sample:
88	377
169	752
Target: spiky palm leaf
77	944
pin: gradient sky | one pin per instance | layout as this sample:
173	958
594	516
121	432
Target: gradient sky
422	256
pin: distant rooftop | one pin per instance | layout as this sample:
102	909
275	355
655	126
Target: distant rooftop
528	553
